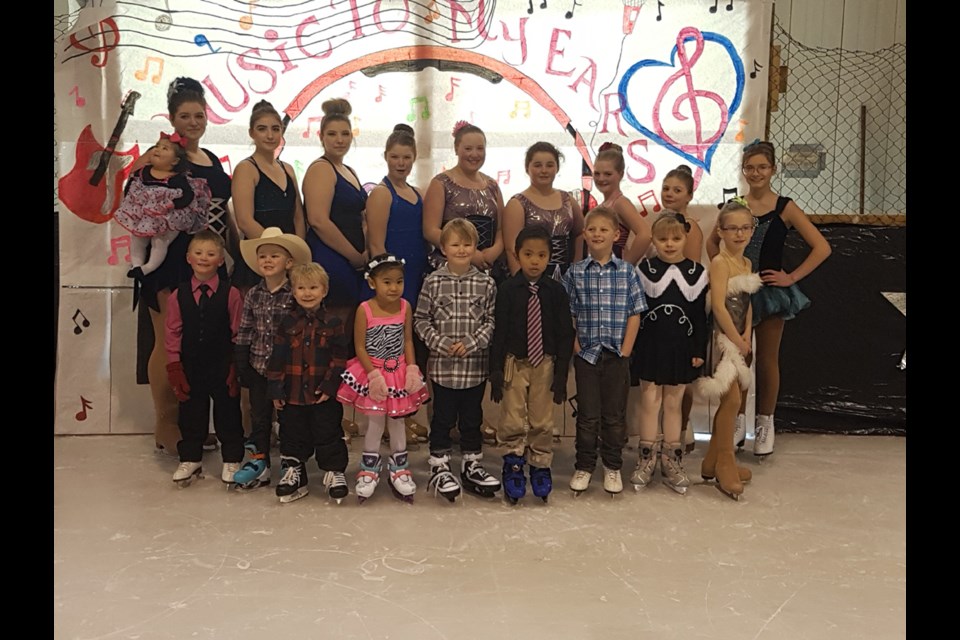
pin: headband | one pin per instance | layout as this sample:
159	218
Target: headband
388	259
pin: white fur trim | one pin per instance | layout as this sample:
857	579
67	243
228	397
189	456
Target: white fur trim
690	291
751	283
730	368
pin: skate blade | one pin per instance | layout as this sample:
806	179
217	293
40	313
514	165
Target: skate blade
186	482
296	495
483	493
247	488
681	490
733	496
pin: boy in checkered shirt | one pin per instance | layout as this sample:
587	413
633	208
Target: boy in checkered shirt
455	318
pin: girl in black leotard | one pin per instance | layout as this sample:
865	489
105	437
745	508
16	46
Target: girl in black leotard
780	299
265	192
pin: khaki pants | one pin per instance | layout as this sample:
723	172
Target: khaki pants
526	414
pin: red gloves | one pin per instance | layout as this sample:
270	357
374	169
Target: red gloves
178	380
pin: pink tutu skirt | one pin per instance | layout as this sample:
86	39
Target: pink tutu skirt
355	389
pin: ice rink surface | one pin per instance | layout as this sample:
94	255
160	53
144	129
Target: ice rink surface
815	549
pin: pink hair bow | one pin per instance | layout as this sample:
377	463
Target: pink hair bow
175	138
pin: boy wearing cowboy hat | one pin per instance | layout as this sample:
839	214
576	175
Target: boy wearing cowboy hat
271	256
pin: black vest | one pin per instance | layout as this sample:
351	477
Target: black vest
206	348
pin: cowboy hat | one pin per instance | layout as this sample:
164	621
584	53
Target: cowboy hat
294	245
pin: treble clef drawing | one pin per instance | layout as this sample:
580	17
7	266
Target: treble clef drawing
108	29
691	96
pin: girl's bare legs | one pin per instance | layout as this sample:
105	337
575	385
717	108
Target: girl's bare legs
649	422
686	431
671	453
166	431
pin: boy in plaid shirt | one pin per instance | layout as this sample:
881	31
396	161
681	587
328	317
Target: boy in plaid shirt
455	318
303	376
606	300
264	308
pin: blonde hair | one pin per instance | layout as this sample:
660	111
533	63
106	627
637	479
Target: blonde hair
462	228
207	235
732	206
669	221
602	212
309	272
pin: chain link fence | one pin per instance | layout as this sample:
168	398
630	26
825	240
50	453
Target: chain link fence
838	120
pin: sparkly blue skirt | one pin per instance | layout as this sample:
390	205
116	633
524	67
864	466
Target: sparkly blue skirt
785	302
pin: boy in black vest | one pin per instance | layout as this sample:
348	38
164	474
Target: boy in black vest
203	316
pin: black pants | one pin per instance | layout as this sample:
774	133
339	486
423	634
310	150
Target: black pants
194	422
314	429
452	407
601	410
261	414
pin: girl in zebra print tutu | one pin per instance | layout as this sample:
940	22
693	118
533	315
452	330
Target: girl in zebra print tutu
379	382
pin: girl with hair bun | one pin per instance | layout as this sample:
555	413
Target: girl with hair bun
465	192
780	299
334	200
608	171
395	212
542	205
187	109
265	192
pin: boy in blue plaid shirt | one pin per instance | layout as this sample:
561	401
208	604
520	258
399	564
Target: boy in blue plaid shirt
606	300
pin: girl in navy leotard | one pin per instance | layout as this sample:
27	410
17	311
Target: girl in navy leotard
265	192
780	299
335	200
395	213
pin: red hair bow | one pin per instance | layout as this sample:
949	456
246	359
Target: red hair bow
175	138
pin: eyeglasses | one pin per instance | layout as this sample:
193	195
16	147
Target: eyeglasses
747	228
763	168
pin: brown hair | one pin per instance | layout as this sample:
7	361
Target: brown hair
264	108
684	175
612	152
402	135
309	272
603	212
181	91
334	110
760	148
542	147
460	227
461	129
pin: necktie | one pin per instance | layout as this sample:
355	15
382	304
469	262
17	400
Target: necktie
534	328
204	297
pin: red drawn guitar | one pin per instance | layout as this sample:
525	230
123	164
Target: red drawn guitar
84	190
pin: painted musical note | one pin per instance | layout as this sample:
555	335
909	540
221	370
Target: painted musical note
80	101
569	14
298	170
739	136
660	6
432	14
727	195
86	323
310	123
163	21
517	104
101	38
756	66
226	160
425	114
356	126
382	93
543	5
647	196
630	13
141	74
692	97
246	21
454	82
84	405
120	242
729	7
503	176
201	41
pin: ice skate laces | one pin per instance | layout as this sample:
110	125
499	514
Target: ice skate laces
291	476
